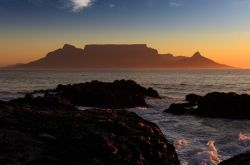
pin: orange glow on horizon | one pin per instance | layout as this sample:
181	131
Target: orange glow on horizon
230	49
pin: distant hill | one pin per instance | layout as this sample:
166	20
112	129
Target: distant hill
196	61
117	56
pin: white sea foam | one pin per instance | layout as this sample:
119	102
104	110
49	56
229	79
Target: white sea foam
180	144
243	137
207	156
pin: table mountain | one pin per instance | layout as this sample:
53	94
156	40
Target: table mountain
117	56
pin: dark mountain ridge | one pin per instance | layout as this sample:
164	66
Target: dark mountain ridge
62	58
197	61
117	56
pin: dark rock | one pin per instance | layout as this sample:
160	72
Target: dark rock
46	103
150	92
63	137
181	108
219	105
229	105
119	94
243	159
193	98
29	96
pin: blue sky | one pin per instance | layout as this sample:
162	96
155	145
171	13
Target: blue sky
177	26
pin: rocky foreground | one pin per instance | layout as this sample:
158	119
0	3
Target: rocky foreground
218	105
50	130
63	137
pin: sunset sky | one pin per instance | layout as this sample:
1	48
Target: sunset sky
219	29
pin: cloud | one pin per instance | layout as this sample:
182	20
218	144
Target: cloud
111	5
74	5
78	5
175	4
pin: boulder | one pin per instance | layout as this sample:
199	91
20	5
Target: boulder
193	98
225	105
47	102
61	137
119	94
218	105
181	108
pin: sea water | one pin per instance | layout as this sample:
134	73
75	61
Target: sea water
198	141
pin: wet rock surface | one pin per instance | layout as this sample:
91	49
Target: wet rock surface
50	130
63	136
218	105
242	159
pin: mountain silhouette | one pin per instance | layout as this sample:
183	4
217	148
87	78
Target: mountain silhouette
121	56
197	61
117	56
66	57
170	58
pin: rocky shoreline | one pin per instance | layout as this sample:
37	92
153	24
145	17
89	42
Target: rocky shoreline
215	105
118	94
50	129
61	137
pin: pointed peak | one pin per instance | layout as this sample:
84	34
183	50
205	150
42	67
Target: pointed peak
68	46
197	54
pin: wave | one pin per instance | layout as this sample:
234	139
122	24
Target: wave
208	156
6	96
180	144
243	137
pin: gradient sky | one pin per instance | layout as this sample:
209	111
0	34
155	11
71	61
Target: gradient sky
219	29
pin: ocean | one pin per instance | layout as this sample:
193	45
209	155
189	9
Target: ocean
198	141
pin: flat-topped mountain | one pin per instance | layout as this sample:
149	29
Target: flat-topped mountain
121	56
117	56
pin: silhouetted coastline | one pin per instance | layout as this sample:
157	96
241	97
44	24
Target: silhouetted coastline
117	56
